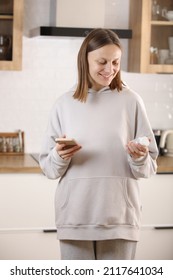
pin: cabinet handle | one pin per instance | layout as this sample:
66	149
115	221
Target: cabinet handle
164	227
49	230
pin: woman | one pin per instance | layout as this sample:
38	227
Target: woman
97	200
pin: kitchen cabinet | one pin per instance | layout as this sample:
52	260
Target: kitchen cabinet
155	244
149	35
26	211
11	23
156	238
27	220
29	245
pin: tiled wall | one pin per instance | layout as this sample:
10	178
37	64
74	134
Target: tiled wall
49	69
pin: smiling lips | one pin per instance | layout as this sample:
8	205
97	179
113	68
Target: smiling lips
106	77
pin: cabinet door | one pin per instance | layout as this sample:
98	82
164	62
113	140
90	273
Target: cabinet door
28	245
156	237
151	32
26	202
11	23
155	244
157	197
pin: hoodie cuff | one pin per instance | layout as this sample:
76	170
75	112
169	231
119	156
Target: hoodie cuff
57	158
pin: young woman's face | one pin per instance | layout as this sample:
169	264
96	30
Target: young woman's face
104	64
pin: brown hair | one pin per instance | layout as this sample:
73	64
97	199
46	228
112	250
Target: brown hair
96	39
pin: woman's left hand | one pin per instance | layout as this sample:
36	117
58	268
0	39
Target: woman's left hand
136	150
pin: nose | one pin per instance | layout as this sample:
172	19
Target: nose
108	67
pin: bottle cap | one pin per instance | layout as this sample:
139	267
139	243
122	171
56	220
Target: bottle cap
143	141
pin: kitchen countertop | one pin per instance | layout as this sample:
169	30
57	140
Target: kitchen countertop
165	165
19	164
28	163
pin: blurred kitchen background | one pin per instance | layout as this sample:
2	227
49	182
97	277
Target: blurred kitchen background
49	69
26	97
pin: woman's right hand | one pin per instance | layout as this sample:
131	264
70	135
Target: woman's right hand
66	152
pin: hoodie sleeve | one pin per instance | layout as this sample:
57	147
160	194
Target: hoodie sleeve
144	167
52	165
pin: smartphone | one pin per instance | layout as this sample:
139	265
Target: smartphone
69	142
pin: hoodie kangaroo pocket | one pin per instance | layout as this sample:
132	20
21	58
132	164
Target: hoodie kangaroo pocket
101	201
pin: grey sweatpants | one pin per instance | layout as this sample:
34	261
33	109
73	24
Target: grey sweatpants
118	249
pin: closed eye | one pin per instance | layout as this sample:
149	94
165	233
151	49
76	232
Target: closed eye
116	62
102	62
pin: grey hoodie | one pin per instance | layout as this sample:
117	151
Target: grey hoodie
98	196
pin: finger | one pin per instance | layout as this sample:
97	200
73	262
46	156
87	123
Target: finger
60	147
143	148
68	153
132	147
134	151
137	148
71	152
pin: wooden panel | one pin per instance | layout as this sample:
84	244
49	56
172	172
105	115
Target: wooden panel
135	43
145	35
18	32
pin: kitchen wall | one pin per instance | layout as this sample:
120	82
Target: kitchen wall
49	69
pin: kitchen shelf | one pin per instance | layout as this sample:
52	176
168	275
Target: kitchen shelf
13	142
161	22
6	17
11	25
148	34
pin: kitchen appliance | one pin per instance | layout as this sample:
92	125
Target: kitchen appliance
157	135
5	47
90	14
166	143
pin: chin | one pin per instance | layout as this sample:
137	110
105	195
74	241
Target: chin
106	84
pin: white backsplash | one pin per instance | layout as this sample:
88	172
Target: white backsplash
49	69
